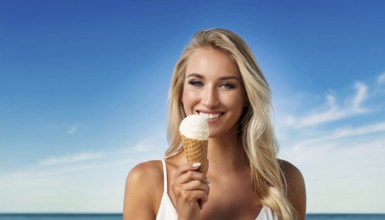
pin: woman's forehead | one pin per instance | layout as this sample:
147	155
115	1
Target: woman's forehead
210	60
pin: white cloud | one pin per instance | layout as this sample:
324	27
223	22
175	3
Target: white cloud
330	139
151	144
71	158
69	188
72	130
52	171
42	186
361	95
333	111
345	162
345	133
148	144
381	78
339	164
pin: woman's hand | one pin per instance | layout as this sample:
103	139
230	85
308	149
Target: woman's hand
191	191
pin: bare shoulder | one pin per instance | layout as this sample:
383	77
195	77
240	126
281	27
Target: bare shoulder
291	172
143	185
296	190
144	171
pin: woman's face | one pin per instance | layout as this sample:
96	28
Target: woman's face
213	88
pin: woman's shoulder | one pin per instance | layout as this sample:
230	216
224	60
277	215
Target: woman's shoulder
150	170
295	185
289	170
144	179
143	189
293	176
153	169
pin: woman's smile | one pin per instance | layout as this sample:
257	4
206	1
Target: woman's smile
210	116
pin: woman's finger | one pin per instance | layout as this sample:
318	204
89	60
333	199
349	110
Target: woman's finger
196	185
185	168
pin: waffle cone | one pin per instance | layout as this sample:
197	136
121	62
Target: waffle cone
196	151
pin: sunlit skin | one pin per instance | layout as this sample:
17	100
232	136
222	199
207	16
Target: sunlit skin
212	87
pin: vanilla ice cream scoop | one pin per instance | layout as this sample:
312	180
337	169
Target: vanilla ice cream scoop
195	127
194	133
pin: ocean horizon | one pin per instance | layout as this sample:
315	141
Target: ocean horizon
116	216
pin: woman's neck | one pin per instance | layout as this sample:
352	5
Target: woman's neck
226	154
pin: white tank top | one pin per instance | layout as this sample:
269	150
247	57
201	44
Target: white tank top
167	210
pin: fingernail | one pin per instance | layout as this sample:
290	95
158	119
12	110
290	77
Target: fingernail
195	165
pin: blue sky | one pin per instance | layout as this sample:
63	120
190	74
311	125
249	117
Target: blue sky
84	84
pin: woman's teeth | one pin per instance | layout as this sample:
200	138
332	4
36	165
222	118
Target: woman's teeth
210	116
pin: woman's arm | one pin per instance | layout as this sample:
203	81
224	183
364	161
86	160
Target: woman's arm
296	190
139	198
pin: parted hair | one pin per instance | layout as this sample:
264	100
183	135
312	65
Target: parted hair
255	130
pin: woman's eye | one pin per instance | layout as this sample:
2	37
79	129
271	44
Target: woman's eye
196	83
228	85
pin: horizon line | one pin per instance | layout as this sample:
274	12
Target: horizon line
120	213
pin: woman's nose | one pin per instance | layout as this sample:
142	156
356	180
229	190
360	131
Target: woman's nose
210	97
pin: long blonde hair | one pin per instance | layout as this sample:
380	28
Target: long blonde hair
255	129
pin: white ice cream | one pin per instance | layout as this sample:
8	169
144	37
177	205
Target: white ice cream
195	127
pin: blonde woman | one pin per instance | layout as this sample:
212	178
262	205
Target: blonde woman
217	76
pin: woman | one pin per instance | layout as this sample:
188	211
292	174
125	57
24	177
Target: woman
217	77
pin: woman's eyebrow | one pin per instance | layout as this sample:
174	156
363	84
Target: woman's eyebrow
194	75
229	77
221	78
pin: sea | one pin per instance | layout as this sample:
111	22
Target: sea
119	216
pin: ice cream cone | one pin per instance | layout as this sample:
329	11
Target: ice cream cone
196	151
194	132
